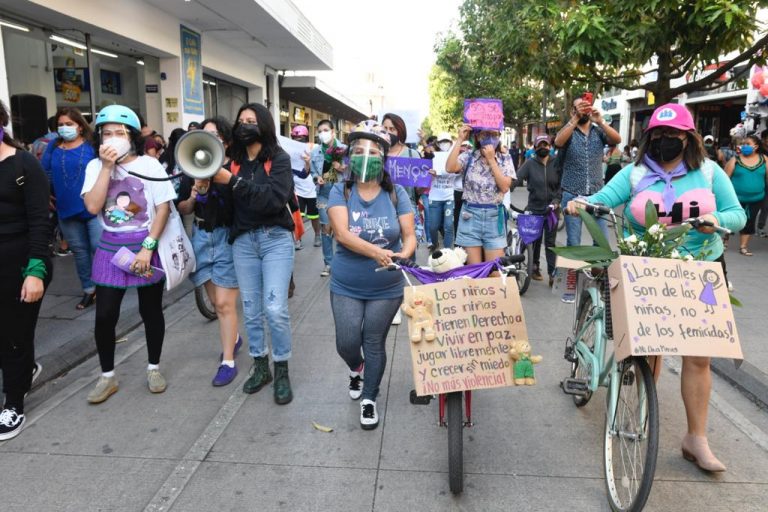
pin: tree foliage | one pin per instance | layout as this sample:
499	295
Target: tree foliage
632	44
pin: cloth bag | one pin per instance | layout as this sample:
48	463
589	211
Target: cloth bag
530	227
175	251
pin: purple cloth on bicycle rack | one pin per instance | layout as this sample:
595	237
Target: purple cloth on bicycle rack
474	271
551	219
529	226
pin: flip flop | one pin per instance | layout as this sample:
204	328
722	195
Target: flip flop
745	252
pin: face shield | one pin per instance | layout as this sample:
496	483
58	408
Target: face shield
366	161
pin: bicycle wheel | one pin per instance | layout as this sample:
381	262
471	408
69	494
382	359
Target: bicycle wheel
204	303
560	220
455	420
588	337
515	246
632	442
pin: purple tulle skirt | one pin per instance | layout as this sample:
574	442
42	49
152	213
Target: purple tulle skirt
104	273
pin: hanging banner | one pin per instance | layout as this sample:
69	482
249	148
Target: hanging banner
192	72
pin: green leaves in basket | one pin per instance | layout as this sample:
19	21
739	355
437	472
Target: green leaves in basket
588	253
651	215
594	230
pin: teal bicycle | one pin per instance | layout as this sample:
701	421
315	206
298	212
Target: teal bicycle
631	435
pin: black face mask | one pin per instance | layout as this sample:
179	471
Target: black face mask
394	139
542	152
665	149
247	133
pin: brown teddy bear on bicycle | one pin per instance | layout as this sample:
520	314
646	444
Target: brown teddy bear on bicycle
420	311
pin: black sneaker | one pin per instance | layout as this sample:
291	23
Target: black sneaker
11	424
369	419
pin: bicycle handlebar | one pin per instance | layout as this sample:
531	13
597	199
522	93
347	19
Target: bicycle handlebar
696	223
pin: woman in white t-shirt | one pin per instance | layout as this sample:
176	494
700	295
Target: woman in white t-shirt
133	212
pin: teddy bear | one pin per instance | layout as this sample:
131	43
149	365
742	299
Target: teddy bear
523	362
443	260
420	310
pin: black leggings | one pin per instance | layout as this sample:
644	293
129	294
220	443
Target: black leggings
17	322
108	301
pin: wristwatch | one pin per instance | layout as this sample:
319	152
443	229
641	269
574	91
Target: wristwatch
149	243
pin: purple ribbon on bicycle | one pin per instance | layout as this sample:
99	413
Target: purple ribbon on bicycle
474	271
529	226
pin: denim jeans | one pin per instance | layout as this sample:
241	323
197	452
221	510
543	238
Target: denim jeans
363	325
441	217
327	240
263	265
425	203
573	223
83	237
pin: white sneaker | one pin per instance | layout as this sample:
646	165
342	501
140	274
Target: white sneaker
326	271
369	418
730	286
355	384
398	318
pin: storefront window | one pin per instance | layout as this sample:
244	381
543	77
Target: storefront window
223	98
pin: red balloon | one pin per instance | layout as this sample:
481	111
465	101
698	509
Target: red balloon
758	79
764	90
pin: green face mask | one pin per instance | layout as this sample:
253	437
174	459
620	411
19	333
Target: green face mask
366	168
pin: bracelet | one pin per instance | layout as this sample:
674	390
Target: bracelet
149	243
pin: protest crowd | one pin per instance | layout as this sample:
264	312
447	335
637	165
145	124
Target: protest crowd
227	202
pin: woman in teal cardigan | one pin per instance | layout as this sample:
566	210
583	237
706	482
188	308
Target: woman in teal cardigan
673	172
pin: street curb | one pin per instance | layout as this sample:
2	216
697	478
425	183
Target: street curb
77	350
748	379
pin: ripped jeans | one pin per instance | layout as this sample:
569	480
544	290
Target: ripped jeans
263	265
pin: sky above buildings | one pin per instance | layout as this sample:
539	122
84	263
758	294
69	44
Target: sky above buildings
382	50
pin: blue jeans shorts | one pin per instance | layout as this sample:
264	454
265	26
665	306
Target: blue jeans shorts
482	227
214	258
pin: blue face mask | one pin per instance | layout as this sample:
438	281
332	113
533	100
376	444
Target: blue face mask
68	132
747	150
489	141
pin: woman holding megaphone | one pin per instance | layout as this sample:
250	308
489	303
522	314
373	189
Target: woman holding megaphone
261	181
211	204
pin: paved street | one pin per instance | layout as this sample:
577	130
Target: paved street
199	448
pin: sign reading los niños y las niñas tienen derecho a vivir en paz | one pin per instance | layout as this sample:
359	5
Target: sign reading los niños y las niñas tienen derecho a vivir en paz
475	323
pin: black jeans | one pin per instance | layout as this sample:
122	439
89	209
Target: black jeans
108	301
17	322
548	235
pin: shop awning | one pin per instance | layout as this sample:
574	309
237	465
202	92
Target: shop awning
311	92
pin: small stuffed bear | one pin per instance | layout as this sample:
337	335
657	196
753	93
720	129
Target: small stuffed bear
523	363
420	311
443	260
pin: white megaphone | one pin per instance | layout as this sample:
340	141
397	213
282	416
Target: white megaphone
199	154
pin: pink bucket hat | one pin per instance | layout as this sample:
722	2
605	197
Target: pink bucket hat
672	115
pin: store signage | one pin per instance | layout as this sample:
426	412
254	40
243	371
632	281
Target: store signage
609	104
152	88
192	71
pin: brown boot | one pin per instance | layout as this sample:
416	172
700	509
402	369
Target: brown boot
696	449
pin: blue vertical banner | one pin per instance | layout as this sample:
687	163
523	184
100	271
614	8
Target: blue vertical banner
192	71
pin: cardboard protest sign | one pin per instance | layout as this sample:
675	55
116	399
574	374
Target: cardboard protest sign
484	114
409	172
671	307
475	322
295	149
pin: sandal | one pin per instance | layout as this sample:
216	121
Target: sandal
745	252
87	301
